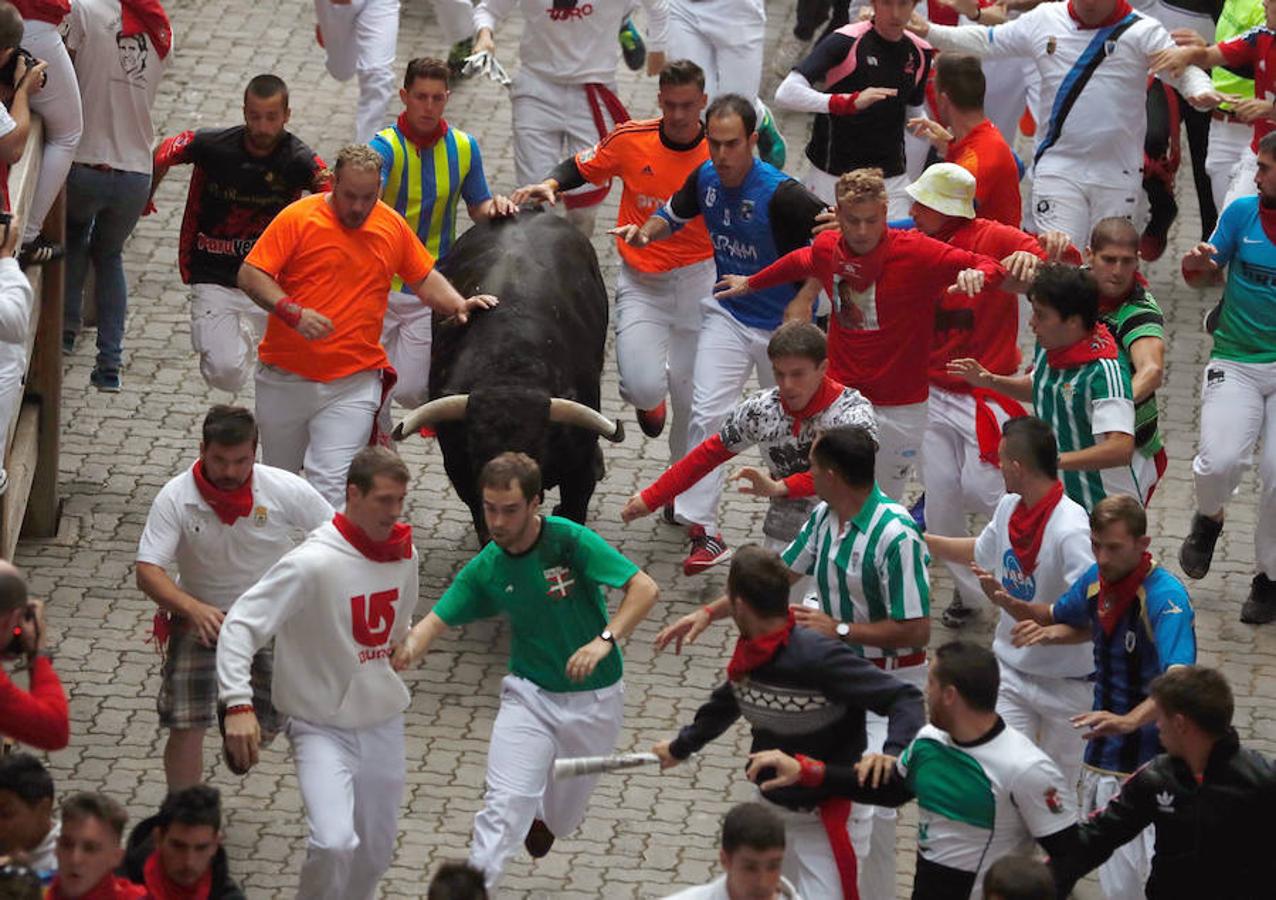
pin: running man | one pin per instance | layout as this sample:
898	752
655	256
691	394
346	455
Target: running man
359	38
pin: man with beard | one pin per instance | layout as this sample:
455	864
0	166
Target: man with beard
243	176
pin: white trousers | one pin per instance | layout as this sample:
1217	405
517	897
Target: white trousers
359	38
723	37
808	857
1238	408
58	103
1126	871
824	185
316	425
1073	206
225	329
727	353
1228	145
1041	708
455	18
1007	94
873	828
657	328
1242	183
352	785
956	480
532	728
16	301
406	336
900	432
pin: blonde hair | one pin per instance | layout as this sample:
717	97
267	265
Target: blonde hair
359	157
859	185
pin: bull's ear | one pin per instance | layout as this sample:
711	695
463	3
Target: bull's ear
618	436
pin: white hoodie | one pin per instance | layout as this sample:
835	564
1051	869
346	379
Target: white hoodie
334	614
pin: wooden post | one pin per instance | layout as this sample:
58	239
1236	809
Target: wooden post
44	385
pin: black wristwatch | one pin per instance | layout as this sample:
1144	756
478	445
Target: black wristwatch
608	636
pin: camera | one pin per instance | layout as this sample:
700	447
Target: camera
15	647
9	69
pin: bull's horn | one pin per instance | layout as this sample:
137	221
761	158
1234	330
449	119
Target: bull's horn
444	409
569	412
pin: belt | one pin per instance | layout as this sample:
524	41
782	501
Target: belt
900	662
97	167
1223	115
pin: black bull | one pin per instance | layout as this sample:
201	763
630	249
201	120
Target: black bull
526	375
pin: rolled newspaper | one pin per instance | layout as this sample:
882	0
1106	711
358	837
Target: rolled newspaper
591	765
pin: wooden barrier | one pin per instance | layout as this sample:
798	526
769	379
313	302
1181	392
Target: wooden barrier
30	506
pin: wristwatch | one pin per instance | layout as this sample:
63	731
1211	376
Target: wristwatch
843	630
608	636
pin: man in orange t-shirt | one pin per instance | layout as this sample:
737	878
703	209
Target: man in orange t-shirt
971	140
661	287
323	269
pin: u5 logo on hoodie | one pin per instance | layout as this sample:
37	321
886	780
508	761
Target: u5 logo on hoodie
373	616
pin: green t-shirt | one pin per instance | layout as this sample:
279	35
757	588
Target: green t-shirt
1137	318
553	597
1236	18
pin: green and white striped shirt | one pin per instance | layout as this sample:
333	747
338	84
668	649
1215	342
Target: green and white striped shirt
1094	398
872	568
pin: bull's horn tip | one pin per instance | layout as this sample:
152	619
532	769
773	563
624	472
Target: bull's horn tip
618	436
398	434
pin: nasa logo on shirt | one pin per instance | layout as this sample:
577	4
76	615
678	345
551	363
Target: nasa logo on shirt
1018	583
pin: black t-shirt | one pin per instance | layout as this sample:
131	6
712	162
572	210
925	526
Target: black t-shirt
853	62
233	196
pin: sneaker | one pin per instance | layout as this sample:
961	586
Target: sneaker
632	44
958	614
105	380
652	421
706	552
40	252
771	148
539	839
1197	551
918	512
1260	606
460	52
319	36
68	342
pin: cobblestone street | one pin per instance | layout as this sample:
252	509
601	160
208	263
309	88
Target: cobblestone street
646	832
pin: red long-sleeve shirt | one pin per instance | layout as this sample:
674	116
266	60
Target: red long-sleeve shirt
880	334
38	718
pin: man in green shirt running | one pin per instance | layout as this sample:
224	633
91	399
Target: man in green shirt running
564	694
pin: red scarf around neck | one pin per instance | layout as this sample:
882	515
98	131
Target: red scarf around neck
229	505
1119	12
1028	526
112	887
161	887
398	546
868	267
1267	218
1098	344
147	16
750	653
422	141
828	391
1115	597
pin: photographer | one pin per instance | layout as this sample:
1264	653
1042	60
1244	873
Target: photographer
38	717
20	77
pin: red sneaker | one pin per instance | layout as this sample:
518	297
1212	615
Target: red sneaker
319	36
1152	246
652	421
706	551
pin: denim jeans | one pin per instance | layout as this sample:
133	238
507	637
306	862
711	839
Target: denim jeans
101	210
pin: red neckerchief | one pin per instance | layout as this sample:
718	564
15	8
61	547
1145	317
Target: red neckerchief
398	546
866	269
988	424
1119	12
1140	284
138	16
952	224
1267	218
1098	344
112	887
229	505
1028	526
421	141
757	651
162	887
828	391
1115	598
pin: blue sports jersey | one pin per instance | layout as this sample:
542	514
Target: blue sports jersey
1155	633
1246	329
741	229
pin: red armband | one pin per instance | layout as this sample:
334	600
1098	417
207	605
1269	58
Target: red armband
708	611
812	772
239	708
843	104
289	312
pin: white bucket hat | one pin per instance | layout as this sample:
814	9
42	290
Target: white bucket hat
946	188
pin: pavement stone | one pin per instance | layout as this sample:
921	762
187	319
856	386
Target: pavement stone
646	833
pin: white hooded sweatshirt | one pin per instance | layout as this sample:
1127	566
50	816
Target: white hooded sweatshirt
334	615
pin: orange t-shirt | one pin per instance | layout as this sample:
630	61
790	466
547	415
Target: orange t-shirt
985	154
651	171
342	273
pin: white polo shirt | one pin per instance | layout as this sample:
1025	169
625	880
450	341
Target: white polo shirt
216	562
1064	557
